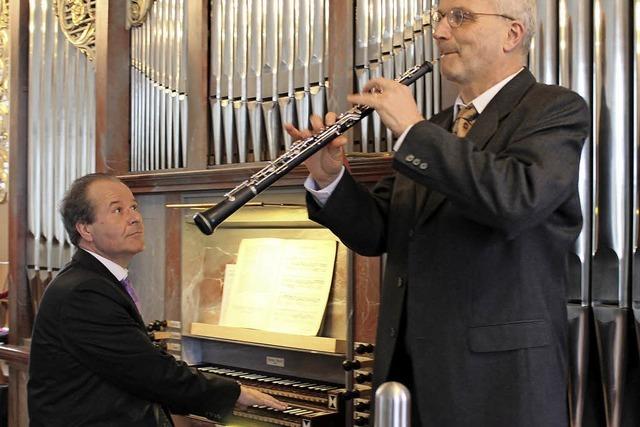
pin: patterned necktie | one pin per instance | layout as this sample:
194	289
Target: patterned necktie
464	120
132	292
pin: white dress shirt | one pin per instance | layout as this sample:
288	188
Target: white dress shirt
115	269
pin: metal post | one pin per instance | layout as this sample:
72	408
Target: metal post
393	405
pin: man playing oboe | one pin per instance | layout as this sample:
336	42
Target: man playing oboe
477	221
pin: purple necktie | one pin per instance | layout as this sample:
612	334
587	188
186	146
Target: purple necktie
132	292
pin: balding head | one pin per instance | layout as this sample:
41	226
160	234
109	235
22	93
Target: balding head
525	12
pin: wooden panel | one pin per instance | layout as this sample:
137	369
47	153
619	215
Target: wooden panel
340	54
4	230
311	343
112	87
18	413
173	261
181	421
197	87
367	298
366	170
20	305
18	355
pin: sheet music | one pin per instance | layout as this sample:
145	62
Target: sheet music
280	285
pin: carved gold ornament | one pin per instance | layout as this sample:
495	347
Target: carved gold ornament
137	12
4	99
77	19
78	11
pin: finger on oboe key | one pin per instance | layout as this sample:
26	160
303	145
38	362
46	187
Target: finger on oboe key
316	123
331	118
378	85
296	134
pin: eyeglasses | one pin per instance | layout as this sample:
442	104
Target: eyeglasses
457	16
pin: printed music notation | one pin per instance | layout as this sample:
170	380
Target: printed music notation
279	285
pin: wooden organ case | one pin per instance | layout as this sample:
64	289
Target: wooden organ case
178	115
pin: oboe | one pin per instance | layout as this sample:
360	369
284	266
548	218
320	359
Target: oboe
208	220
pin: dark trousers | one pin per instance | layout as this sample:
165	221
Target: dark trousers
402	370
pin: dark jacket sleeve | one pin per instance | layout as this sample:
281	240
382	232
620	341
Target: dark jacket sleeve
100	332
516	186
356	215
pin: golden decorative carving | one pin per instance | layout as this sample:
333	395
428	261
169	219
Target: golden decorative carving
78	11
4	99
77	19
4	13
137	12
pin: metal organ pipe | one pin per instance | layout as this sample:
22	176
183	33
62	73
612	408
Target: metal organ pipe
575	72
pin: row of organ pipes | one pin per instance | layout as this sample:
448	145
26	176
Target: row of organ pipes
391	37
268	66
158	88
271	73
61	138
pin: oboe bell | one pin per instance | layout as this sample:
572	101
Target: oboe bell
208	220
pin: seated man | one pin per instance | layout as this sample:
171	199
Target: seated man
92	363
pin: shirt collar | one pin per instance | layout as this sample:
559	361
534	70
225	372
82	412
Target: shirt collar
115	269
484	98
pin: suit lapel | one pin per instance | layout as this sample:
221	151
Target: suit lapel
485	127
90	262
500	106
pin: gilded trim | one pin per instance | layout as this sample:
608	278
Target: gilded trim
77	19
137	12
4	99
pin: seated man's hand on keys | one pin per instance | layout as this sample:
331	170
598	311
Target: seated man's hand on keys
250	396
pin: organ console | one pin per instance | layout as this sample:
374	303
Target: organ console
164	339
361	420
360	367
357	363
157	325
310	403
361	405
363	376
364	348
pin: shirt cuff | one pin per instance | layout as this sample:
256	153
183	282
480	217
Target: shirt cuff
322	195
400	140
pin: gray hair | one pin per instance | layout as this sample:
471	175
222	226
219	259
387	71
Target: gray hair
524	11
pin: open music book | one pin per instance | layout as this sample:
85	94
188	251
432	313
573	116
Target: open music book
279	285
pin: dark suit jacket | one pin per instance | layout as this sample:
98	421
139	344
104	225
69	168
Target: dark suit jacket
477	232
92	363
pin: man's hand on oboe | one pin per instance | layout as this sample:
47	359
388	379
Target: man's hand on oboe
325	165
392	100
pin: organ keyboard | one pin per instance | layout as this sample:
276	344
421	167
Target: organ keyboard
310	403
295	415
